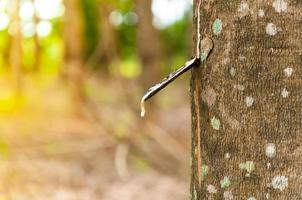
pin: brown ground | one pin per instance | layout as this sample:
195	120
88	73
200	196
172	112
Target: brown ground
107	153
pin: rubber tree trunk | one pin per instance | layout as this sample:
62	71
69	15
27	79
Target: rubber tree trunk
74	50
37	44
246	101
148	43
108	41
15	54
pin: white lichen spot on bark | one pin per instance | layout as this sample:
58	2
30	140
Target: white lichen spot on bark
270	150
203	56
211	189
194	195
235	124
217	26
209	96
239	87
215	122
249	101
251	198
232	71
244	9
242	58
288	72
261	13
268	165
280	6
204	47
285	93
204	170
249	166
271	29
280	182
227	155
228	195
225	182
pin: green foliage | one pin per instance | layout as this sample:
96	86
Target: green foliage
123	5
28	58
130	68
4	43
4	40
90	16
127	37
174	41
9	103
53	55
126	33
176	37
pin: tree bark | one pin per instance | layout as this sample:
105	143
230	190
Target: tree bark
74	50
148	43
246	101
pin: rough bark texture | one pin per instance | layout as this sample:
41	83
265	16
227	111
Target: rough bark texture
246	101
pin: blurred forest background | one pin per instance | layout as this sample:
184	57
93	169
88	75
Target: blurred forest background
72	73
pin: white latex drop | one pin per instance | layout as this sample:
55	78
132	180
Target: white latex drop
143	110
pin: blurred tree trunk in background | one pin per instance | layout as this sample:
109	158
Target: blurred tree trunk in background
108	50
74	50
246	102
37	43
148	43
15	54
7	49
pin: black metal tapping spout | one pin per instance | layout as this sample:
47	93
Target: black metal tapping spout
206	45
